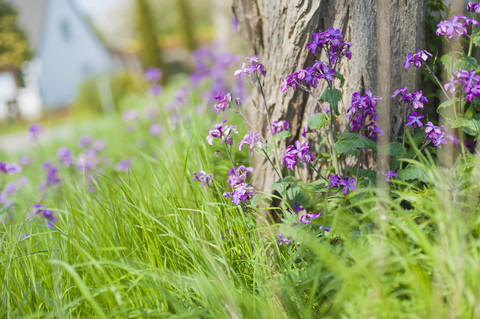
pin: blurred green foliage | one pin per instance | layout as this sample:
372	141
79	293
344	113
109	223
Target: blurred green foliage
14	49
88	102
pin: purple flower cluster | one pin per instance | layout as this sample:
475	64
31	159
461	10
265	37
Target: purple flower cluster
469	79
309	217
282	240
10	168
39	211
336	181
456	27
253	141
130	115
298	151
363	114
154	75
473	7
204	178
51	177
35	130
223	102
222	132
65	156
279	126
242	190
332	42
411	101
253	68
335	48
417	59
436	134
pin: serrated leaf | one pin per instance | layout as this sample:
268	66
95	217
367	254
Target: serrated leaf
466	63
340	77
352	141
280	136
317	121
443	105
446	60
476	38
411	173
469	125
332	96
259	198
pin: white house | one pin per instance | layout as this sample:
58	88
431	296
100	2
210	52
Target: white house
66	51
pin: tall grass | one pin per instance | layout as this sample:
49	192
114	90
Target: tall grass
152	243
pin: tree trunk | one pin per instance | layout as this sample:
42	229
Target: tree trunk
278	32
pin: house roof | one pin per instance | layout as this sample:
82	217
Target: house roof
30	19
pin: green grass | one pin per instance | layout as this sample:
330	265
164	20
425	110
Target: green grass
149	243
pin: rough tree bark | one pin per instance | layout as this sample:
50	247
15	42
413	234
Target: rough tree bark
278	31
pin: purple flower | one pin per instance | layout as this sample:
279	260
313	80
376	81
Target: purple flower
84	141
51	177
156	129
254	68
153	74
10	169
99	145
156	89
389	175
38	211
473	7
279	126
350	184
25	160
414	119
204	178
123	165
455	27
222	132
363	114
223	102
435	133
130	115
334	181
297	151
241	189
35	130
282	240
252	140
417	59
65	157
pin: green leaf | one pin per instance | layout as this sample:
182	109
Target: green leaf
446	60
443	105
340	77
317	121
476	38
282	135
466	63
351	141
411	172
469	125
394	149
332	96
299	196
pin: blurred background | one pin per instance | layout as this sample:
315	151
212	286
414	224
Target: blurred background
75	59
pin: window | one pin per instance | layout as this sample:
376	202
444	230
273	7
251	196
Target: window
65	30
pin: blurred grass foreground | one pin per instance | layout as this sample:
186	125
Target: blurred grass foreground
102	216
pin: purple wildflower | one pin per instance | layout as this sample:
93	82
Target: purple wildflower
130	115
65	157
51	177
153	74
297	151
363	114
25	160
252	140
8	168
414	119
223	102
39	211
85	141
455	27
417	59
435	133
156	89
204	178
282	240
123	165
279	126
389	175
473	7
35	130
254	68
156	129
241	189
350	184
223	132
334	181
